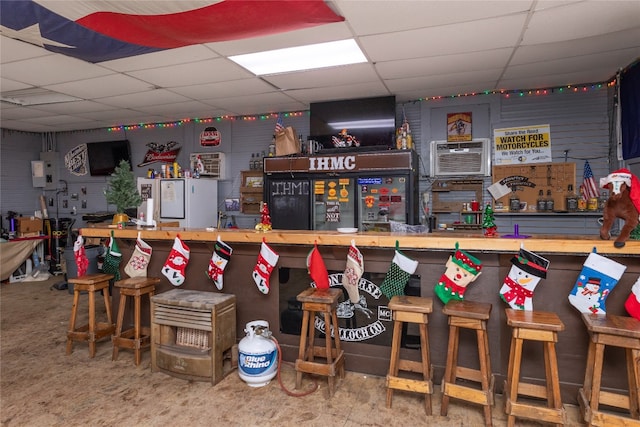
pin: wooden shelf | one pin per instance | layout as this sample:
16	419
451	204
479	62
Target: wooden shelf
251	191
442	203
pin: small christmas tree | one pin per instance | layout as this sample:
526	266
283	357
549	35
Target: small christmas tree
488	222
265	218
121	188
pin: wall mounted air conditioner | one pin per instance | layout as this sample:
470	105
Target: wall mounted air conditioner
461	158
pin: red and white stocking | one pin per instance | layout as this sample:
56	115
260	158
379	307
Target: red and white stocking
353	272
80	255
267	260
176	263
139	261
219	260
632	304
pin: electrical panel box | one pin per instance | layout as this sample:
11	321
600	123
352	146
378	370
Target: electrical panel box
37	173
50	159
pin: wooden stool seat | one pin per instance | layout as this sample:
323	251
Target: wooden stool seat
410	309
617	331
137	338
92	331
323	301
535	326
469	315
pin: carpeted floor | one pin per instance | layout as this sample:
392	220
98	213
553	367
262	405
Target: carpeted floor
41	386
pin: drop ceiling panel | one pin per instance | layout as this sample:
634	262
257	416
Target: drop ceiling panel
445	40
333	76
157	96
208	71
102	87
164	58
225	89
51	69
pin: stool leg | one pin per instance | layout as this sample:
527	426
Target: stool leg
327	344
395	355
485	372
588	375
426	364
107	305
553	381
450	370
136	328
303	345
336	339
513	377
92	323
72	320
633	373
594	398
120	320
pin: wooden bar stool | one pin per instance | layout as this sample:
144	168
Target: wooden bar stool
322	301
617	331
534	326
138	337
93	331
469	315
413	310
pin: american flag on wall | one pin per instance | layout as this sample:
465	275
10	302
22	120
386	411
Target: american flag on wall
588	189
97	31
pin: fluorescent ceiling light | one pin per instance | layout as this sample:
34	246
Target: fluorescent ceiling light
320	55
363	124
36	96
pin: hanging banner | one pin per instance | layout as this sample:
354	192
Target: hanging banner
528	144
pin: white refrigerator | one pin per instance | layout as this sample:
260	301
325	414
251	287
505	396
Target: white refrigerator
190	201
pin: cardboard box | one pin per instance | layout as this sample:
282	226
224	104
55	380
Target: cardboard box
28	225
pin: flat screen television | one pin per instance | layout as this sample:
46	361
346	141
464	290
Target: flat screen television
372	121
105	156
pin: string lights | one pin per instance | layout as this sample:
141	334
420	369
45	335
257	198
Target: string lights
269	116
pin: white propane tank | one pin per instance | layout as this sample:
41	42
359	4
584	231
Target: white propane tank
257	355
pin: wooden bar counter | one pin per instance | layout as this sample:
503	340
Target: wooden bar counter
367	329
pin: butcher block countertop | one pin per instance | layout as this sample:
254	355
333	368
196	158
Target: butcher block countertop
443	240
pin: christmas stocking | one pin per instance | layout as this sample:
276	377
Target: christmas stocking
267	260
527	270
597	279
79	253
317	269
632	304
139	261
402	267
219	260
353	272
176	263
462	269
112	259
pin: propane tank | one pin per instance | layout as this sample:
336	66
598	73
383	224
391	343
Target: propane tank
258	355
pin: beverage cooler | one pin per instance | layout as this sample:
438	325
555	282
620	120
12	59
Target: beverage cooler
343	190
191	202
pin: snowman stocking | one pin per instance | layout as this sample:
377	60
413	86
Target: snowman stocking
527	270
317	269
632	304
597	279
401	269
176	263
137	265
353	272
462	269
80	255
219	260
267	260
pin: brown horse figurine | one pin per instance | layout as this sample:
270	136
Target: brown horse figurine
619	206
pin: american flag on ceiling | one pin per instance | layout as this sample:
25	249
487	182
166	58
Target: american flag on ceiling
97	31
588	189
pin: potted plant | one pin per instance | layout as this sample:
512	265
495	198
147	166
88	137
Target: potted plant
122	191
